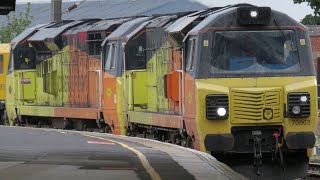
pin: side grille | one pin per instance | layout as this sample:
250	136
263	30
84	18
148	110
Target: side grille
294	100
213	102
252	106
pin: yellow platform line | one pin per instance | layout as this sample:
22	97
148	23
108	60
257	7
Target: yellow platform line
154	175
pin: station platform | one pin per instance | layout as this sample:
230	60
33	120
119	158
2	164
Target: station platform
31	153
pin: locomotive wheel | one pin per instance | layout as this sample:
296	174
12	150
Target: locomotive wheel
84	125
77	125
108	129
161	137
128	132
39	124
57	123
3	118
184	143
68	124
189	142
144	134
53	124
176	139
15	122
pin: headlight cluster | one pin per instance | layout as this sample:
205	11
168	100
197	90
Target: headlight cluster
299	104
217	106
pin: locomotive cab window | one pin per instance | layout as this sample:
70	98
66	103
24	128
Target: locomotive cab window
94	43
255	52
140	55
191	54
10	61
110	56
24	57
135	56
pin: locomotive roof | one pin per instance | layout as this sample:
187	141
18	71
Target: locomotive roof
184	21
126	28
25	34
82	27
227	17
95	25
107	23
161	21
179	24
136	30
52	32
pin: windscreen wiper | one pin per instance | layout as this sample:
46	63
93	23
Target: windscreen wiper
281	30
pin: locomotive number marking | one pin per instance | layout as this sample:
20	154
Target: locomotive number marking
256	133
300	122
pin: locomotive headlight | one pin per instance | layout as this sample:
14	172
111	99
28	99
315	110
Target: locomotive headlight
254	13
299	104
217	106
296	110
222	111
303	98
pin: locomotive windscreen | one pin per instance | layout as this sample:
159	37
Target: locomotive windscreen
255	51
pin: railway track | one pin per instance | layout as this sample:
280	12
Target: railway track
314	170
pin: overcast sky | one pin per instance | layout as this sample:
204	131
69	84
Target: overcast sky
297	11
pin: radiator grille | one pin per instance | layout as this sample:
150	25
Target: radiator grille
255	105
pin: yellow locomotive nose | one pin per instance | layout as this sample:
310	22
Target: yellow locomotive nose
255	106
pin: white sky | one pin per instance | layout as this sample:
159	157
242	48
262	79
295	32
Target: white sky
297	11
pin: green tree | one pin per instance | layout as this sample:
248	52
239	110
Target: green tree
15	25
311	19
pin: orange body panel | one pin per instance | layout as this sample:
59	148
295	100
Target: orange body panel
175	64
109	102
173	87
93	84
79	113
168	121
190	109
84	79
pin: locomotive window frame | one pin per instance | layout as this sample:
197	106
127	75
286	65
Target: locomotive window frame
94	43
110	59
1	63
10	63
294	40
191	54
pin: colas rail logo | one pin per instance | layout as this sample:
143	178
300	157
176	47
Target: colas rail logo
267	113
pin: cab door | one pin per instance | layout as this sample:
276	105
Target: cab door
152	85
26	87
94	88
